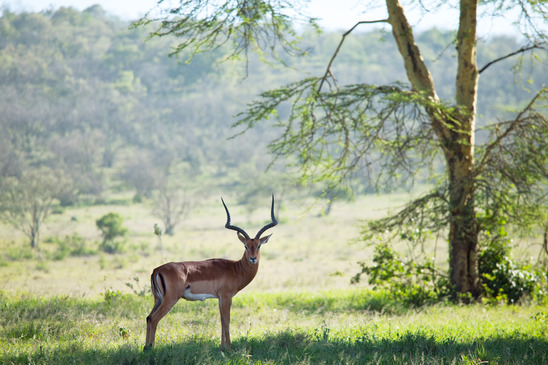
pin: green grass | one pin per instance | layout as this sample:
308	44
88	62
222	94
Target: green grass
61	308
332	327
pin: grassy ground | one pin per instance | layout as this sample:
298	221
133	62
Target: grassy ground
306	250
332	327
300	309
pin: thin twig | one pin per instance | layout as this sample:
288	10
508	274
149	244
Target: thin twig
521	50
328	70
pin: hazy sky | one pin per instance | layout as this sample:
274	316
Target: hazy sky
334	14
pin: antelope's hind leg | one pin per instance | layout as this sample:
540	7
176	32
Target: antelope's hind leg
150	330
164	300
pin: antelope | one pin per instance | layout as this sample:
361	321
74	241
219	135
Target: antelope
201	280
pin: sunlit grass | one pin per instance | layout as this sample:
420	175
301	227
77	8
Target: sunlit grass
330	327
300	309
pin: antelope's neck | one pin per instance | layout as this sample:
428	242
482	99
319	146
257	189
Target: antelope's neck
249	270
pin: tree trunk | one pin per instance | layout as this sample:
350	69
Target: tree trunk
33	236
463	232
35	225
456	135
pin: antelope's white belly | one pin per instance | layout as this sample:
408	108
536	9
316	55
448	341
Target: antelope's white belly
192	296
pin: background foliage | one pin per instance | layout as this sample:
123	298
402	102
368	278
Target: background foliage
83	94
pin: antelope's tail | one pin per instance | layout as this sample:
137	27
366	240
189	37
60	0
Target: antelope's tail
158	285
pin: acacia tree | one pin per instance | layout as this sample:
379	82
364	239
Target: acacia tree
25	202
337	132
171	204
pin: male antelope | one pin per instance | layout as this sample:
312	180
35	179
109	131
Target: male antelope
200	280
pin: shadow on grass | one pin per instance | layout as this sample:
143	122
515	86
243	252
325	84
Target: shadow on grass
290	347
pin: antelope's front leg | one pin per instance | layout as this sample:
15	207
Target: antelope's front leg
225	302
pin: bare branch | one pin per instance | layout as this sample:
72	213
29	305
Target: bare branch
417	72
328	69
521	50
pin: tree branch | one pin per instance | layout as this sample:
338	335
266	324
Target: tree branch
433	204
521	50
328	69
467	68
513	124
418	74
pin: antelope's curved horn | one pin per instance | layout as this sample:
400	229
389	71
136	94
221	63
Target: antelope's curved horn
234	228
270	225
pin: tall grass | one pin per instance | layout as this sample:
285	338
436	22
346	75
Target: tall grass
332	327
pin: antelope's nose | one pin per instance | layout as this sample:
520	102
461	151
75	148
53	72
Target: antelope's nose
253	260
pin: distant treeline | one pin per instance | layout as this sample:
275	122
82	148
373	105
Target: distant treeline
86	94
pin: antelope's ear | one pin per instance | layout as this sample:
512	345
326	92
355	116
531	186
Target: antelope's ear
264	239
242	238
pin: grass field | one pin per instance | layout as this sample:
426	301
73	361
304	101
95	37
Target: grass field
306	250
292	327
300	309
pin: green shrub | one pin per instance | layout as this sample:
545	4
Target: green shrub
414	284
111	228
74	245
14	252
111	295
112	246
502	278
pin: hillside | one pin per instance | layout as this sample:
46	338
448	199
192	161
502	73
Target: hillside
94	100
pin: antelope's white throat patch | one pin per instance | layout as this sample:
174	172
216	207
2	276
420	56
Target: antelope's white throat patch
193	297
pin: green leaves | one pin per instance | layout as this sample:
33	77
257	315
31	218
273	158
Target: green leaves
506	280
413	283
513	170
111	228
373	134
264	27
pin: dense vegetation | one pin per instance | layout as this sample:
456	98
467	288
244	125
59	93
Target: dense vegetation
103	109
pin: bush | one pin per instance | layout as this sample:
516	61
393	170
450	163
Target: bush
416	284
111	228
411	283
16	252
502	278
74	245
